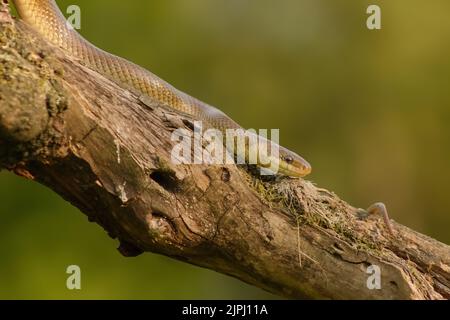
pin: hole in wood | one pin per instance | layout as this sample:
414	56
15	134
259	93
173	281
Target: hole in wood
393	283
166	179
338	247
226	175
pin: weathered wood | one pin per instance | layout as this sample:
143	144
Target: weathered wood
108	153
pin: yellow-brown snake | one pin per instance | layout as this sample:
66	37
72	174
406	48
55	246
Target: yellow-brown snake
45	17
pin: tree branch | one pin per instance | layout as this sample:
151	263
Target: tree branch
108	153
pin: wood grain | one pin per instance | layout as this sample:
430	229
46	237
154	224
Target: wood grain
108	153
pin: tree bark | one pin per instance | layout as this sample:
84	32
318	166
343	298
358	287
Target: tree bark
107	151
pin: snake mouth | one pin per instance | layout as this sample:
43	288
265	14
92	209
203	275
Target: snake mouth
306	170
296	169
296	173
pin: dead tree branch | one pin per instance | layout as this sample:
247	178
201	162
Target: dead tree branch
108	153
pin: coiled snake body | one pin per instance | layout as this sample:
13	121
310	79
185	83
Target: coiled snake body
46	18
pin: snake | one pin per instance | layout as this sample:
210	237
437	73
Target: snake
45	17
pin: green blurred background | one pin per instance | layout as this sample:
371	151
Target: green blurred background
369	109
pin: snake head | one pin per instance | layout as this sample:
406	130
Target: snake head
293	165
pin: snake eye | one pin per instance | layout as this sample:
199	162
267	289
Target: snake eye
288	159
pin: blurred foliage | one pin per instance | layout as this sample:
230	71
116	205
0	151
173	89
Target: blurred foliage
369	109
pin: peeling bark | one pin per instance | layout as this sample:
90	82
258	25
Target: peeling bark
108	152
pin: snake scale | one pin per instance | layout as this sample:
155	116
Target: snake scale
46	18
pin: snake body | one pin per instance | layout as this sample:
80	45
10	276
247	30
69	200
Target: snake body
45	17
